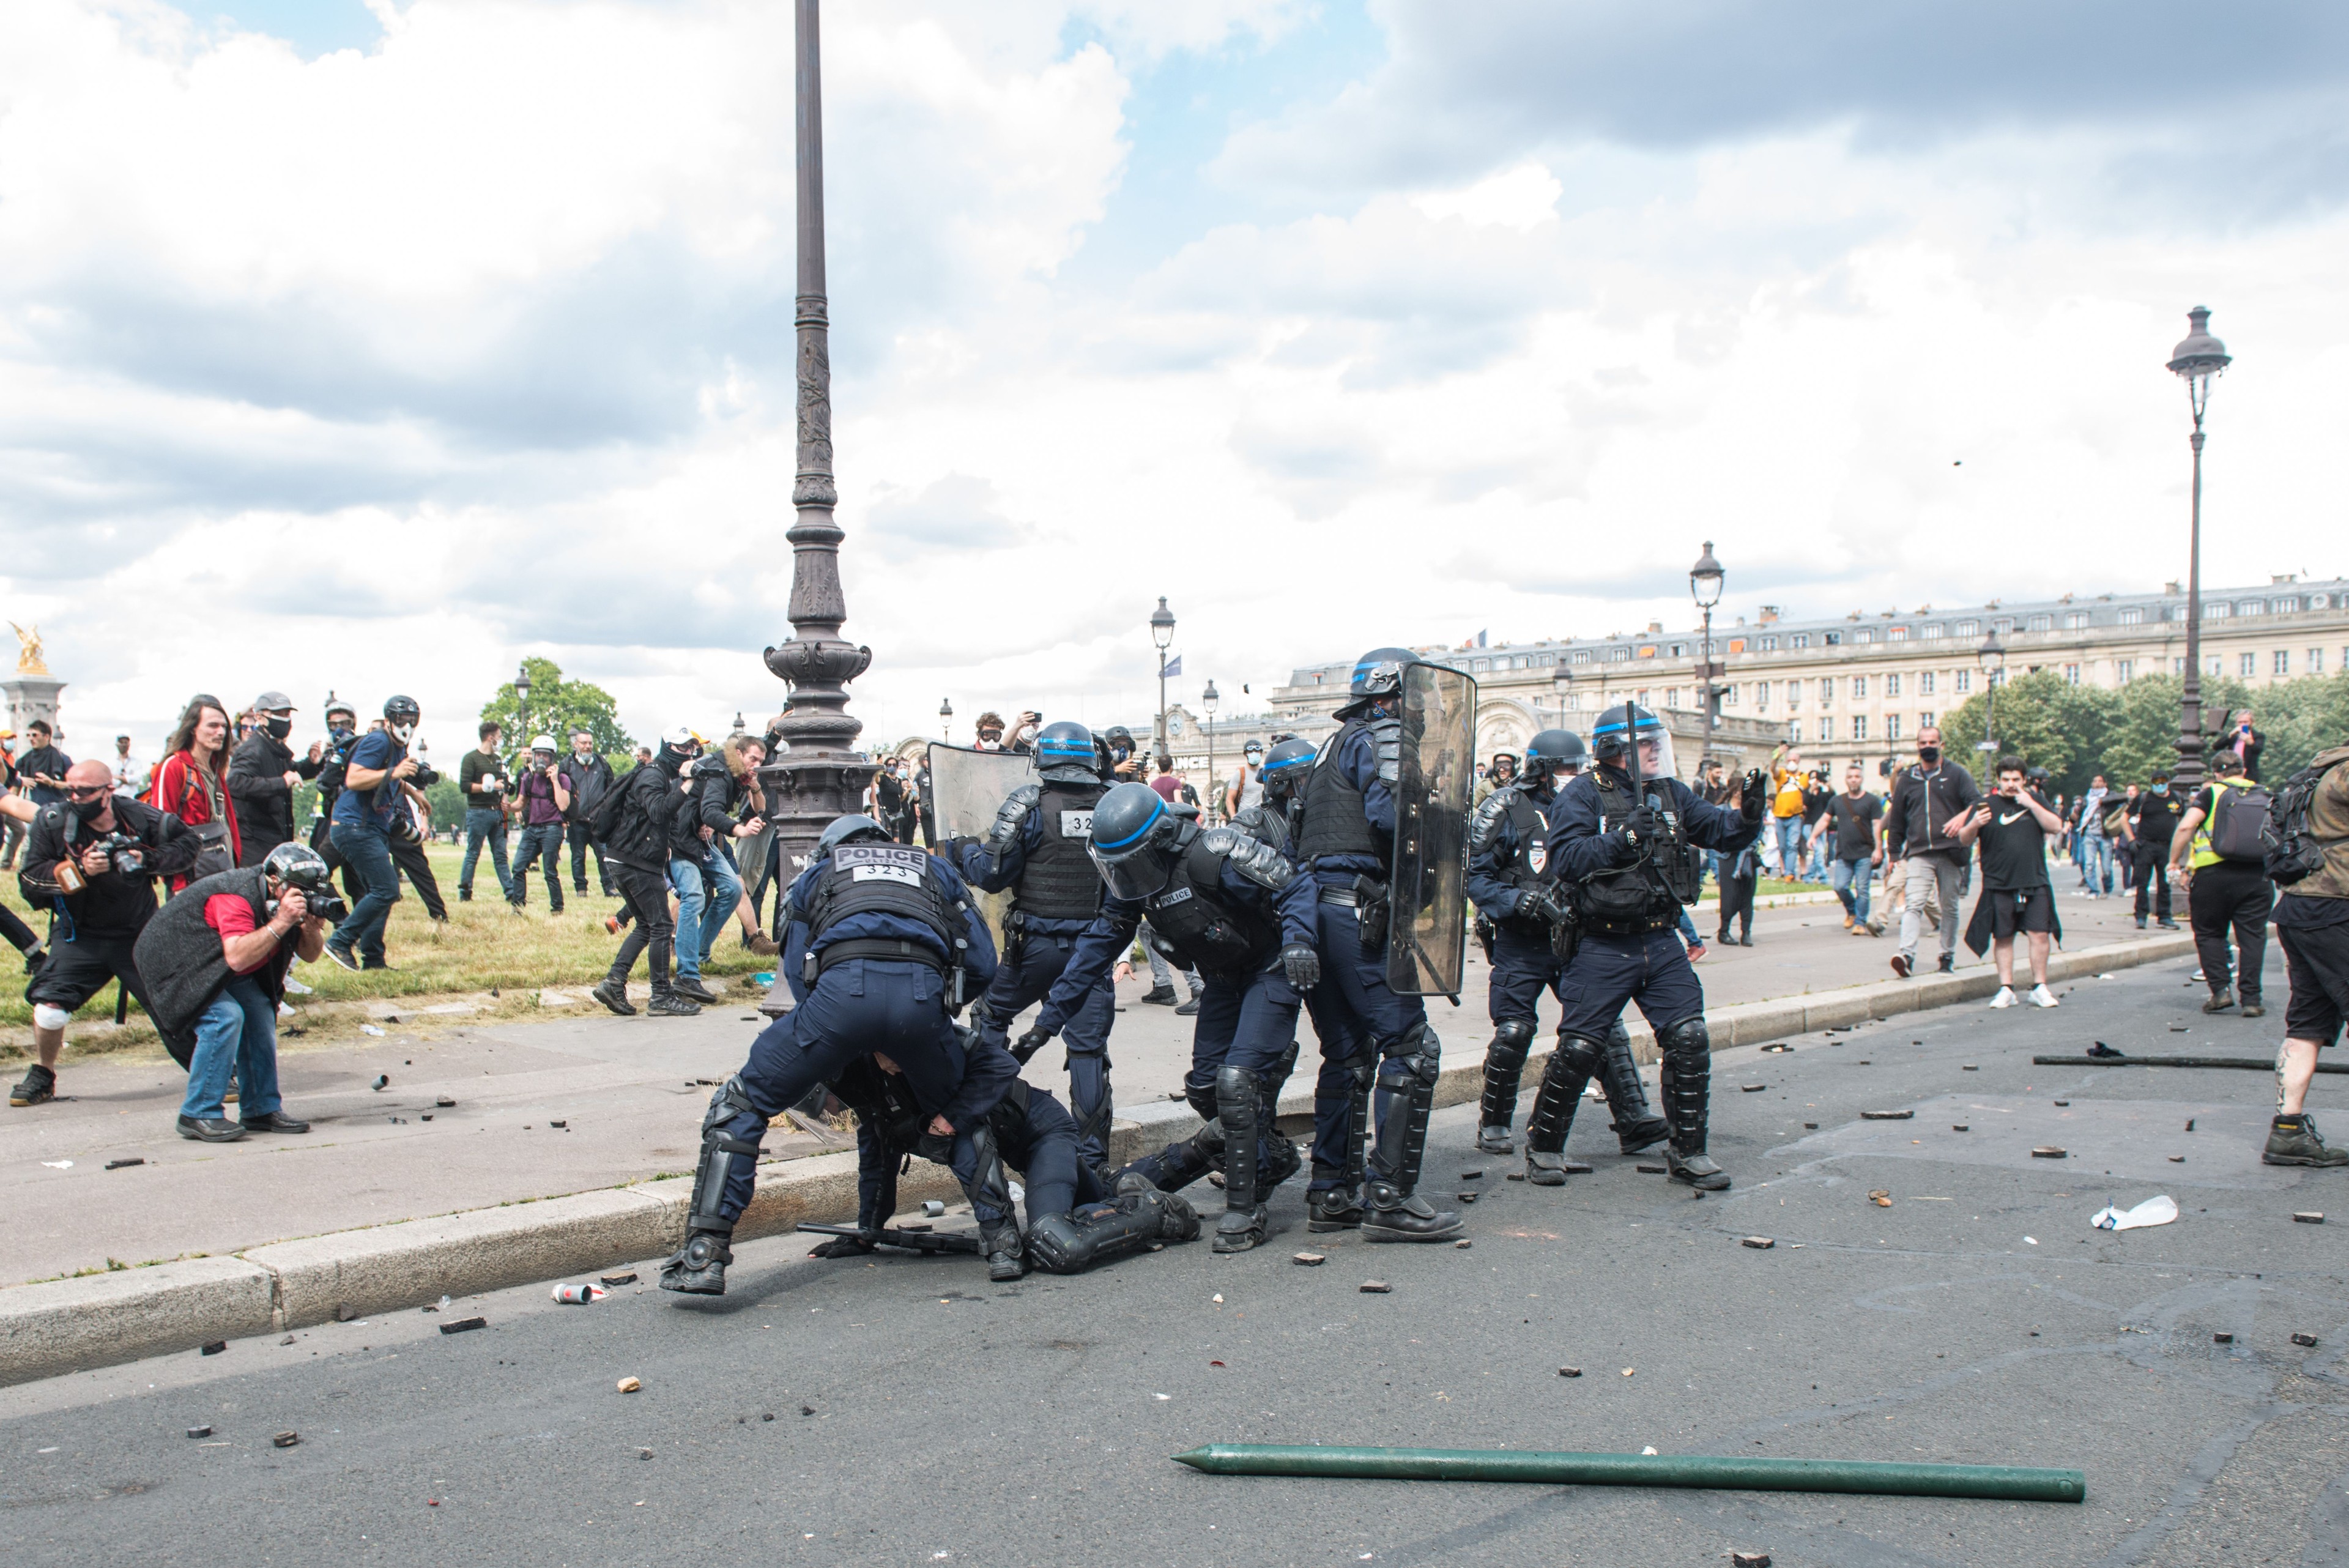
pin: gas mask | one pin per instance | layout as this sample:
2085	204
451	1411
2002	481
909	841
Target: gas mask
403	734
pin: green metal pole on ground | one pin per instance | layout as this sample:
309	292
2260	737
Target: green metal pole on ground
2011	1483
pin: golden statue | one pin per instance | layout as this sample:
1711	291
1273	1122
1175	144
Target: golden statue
29	652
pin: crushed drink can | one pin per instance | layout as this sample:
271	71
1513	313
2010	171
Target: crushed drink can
579	1295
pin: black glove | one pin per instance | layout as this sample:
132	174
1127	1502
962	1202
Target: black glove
842	1247
1749	798
1302	965
1545	904
1640	825
938	1146
1028	1044
955	847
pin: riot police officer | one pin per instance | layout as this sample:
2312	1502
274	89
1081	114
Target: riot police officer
1284	768
1221	902
1073	1221
1037	849
883	943
1626	842
1345	839
1518	910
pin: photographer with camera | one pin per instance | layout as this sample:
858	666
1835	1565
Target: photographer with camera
218	957
371	809
546	798
481	781
92	861
263	776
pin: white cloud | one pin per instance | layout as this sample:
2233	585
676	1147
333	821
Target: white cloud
1522	198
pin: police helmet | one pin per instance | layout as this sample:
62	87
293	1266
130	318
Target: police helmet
1064	753
401	710
299	865
1378	673
1286	766
1133	835
851	830
1620	727
1555	749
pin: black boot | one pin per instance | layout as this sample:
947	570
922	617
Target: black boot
39	1084
1504	1068
1685	1078
612	992
1237	1095
1333	1209
1390	1214
699	1268
1637	1128
1007	1258
1562	1082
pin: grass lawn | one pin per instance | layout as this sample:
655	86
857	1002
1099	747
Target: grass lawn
484	947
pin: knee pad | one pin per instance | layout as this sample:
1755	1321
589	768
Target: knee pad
729	1100
1576	1055
45	1016
1236	1087
1512	1037
1685	1042
1420	1054
1201	1096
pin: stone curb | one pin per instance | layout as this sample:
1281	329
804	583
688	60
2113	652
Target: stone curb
97	1320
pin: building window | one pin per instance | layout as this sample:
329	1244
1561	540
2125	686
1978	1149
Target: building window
1863	635
1769	645
2216	612
1965	681
1736	645
1892	726
1827	692
2316	661
1969	628
1832	639
2040	623
1648	651
1678	650
1924	683
1620	654
1930	632
2283	662
1794	731
1800	640
2253	606
1925	720
1897	633
1892	684
1671	697
2004	626
1858	686
1582	655
2133	616
1826	730
2249	664
2125	670
1317	678
1860	726
1640	697
2285	607
2077	621
2177	667
2071	675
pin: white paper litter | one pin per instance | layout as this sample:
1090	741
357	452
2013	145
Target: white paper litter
2030	1241
58	1164
2159	1210
369	1029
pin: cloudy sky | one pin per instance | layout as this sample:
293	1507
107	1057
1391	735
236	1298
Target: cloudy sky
373	345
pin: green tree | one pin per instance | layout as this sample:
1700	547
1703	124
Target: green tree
556	708
2298	718
2042	719
2144	735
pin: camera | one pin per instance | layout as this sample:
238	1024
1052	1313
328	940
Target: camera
125	854
425	776
324	903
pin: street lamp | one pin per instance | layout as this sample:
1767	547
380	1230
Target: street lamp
1992	655
1704	587
521	703
2197	361
1161	633
1207	700
946	719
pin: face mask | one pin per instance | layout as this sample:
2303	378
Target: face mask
1928	754
403	734
91	810
2161	789
280	727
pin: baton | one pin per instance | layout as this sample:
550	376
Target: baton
912	1240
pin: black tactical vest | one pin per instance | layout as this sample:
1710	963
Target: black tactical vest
1332	819
881	879
1195	923
1532	830
1057	882
1634	897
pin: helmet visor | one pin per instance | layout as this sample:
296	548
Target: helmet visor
1656	760
1137	873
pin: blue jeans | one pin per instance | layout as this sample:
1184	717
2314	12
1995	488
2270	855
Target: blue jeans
369	854
543	842
1851	882
237	1034
706	897
481	825
2096	861
1789	830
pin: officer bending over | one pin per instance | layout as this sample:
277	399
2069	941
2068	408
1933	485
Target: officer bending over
1221	902
882	942
1518	911
1626	839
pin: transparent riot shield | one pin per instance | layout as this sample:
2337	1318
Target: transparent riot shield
1427	929
967	788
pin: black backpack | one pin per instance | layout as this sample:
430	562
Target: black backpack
603	818
2239	822
2289	853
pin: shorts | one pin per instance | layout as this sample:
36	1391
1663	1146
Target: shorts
2316	960
80	969
2025	909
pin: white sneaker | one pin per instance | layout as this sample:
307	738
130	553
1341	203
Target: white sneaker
2043	997
2196	975
2005	997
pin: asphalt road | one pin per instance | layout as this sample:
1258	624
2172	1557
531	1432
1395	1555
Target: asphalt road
921	1415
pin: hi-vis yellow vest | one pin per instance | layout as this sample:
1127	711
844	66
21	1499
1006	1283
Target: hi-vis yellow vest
2203	854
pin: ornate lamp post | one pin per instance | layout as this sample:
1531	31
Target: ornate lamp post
521	705
2198	361
1207	700
946	719
1704	587
1162	634
821	774
1992	654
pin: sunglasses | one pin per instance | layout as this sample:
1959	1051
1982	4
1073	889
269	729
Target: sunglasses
86	792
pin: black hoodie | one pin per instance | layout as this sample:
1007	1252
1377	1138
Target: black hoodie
641	838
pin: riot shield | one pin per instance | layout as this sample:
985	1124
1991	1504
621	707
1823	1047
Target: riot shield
967	788
1427	929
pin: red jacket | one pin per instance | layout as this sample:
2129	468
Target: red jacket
179	789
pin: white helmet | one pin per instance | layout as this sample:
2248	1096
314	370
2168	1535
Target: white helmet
543	743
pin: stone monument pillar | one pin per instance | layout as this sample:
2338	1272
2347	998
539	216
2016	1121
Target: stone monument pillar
33	694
